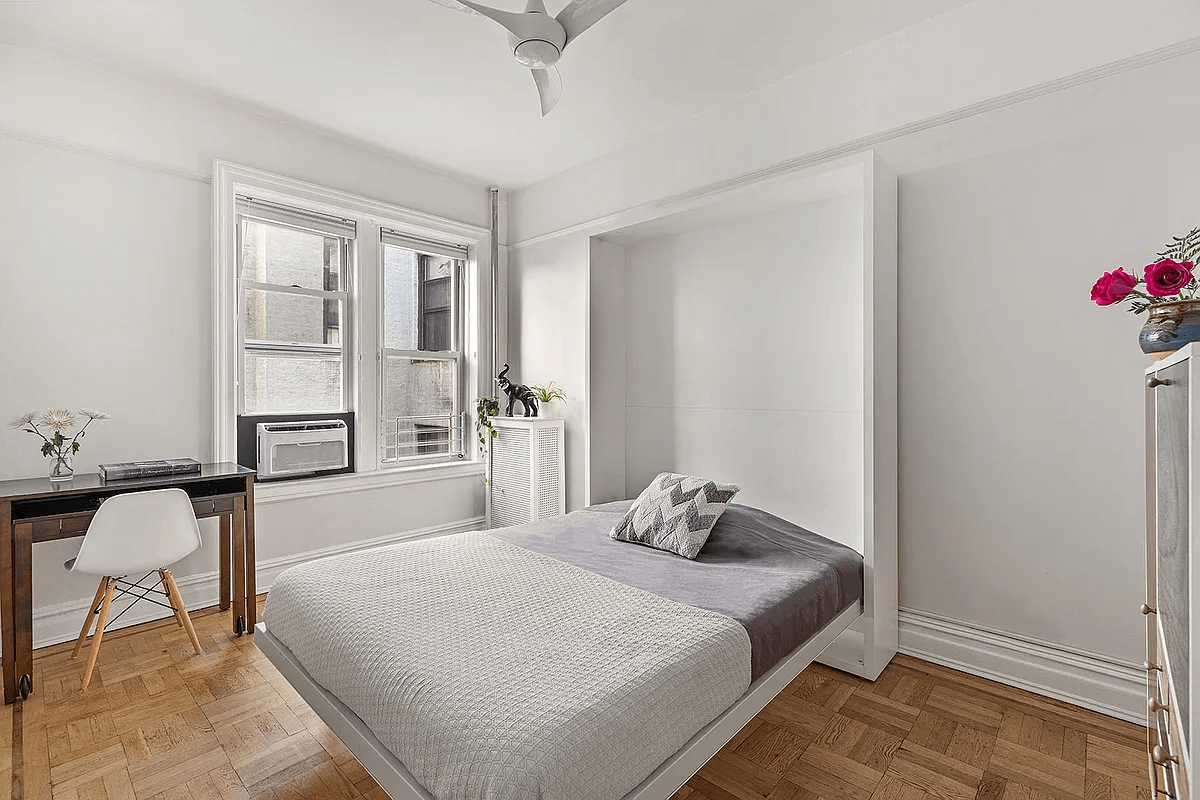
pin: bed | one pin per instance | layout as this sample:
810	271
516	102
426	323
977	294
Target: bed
548	660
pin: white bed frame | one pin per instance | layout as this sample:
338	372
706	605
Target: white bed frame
391	774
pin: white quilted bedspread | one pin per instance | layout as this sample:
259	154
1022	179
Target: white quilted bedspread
496	673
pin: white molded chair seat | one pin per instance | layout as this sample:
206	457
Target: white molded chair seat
135	533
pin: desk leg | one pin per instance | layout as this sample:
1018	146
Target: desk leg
22	561
8	643
239	566
251	564
225	560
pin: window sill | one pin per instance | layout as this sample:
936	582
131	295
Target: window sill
364	481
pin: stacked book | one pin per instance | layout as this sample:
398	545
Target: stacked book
149	469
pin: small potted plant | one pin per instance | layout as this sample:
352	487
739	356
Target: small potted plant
54	427
1168	293
485	409
546	395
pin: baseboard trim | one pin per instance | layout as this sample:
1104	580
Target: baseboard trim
60	623
1093	681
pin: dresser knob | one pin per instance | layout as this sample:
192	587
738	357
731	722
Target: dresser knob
1147	609
1152	382
1161	757
1150	666
1154	705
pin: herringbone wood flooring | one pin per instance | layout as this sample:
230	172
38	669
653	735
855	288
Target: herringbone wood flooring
159	721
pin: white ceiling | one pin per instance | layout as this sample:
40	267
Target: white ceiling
440	88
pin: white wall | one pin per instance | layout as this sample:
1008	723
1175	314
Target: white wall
105	250
547	338
744	361
607	337
1021	438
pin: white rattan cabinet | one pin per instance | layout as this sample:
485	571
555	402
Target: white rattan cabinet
526	469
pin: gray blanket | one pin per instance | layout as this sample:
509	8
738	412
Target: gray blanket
496	673
781	582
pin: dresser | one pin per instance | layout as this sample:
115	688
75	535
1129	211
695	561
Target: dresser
1172	625
526	470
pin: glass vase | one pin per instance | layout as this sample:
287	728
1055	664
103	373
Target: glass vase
63	468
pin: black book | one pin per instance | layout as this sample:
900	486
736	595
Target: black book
149	469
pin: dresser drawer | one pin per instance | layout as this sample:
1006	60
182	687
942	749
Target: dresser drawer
1168	777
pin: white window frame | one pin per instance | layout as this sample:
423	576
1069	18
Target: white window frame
364	395
454	354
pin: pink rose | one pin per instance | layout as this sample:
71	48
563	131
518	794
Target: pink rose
1113	287
1168	277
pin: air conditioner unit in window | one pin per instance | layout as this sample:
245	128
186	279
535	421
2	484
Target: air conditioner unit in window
301	448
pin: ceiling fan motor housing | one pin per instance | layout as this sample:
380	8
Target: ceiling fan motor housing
539	41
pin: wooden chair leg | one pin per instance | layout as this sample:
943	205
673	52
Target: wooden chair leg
162	577
91	617
109	586
177	604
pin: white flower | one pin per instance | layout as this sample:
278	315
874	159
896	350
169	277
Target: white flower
58	420
23	420
93	414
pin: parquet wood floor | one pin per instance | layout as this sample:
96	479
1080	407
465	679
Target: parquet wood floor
160	722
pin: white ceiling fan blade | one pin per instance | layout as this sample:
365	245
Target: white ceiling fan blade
549	85
583	14
454	5
510	21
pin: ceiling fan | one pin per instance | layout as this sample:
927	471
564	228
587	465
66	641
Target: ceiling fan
538	39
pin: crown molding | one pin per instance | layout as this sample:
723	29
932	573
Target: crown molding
120	158
830	155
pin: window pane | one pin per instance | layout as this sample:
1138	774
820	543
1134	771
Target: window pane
418	405
438	267
292	384
418	299
291	318
289	257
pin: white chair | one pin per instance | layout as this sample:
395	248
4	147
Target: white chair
135	533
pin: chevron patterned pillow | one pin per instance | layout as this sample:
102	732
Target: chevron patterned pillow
675	513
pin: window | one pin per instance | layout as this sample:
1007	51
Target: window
421	350
329	305
294	269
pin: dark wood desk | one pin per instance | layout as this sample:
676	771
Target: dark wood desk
35	510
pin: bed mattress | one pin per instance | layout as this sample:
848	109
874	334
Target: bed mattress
587	664
782	583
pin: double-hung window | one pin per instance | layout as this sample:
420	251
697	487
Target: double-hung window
295	270
421	354
331	307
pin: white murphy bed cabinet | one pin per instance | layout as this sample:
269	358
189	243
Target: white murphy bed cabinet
1171	573
527	472
705	350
